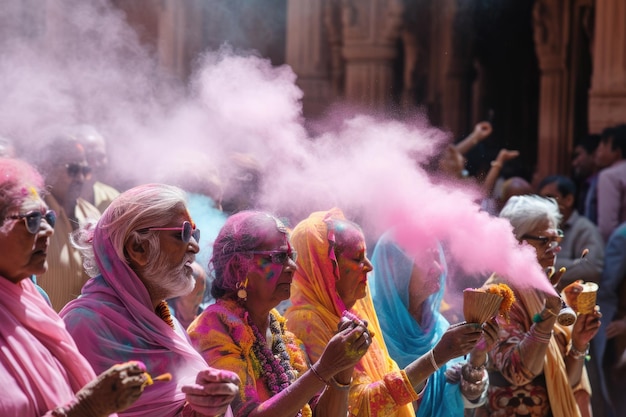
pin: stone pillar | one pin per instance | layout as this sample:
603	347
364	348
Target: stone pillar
370	33
457	66
179	37
308	51
607	98
549	18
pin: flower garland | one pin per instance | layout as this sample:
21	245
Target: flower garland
163	311
276	368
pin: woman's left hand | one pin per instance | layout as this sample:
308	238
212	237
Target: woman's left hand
585	328
213	391
488	338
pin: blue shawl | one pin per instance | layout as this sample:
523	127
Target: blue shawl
406	340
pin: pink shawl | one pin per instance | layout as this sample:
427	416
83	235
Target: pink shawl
40	365
113	321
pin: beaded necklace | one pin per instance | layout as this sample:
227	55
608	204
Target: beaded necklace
163	311
276	369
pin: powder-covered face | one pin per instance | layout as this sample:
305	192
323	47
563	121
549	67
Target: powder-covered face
67	184
544	239
269	281
174	275
24	253
352	263
423	283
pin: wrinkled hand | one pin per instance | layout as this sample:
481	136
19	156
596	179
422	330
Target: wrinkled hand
553	303
345	348
114	390
213	391
482	130
487	340
555	276
616	328
571	293
457	341
586	327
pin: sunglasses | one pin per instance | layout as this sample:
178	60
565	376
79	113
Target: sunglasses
187	231
33	219
278	257
74	169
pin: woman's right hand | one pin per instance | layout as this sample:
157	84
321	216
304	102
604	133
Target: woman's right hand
458	340
213	391
553	303
344	349
114	390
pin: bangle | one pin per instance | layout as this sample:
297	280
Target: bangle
577	354
318	376
497	164
431	358
340	386
538	317
539	336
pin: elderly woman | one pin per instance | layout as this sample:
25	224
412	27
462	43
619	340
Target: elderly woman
42	371
537	366
140	253
254	265
407	295
332	278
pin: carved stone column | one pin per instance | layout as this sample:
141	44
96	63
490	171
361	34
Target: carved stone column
549	18
179	37
607	98
370	32
457	66
308	51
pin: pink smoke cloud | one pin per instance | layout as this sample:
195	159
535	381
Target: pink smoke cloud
90	68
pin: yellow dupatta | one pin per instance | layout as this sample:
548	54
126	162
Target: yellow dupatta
316	310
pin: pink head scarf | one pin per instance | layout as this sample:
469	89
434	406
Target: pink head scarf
113	321
40	365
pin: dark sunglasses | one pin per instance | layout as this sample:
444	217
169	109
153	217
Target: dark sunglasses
74	169
278	257
187	231
33	219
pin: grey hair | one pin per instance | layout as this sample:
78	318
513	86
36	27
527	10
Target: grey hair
526	212
128	217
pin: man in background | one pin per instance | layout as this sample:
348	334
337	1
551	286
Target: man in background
611	153
64	166
95	190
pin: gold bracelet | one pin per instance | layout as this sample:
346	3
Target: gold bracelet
497	164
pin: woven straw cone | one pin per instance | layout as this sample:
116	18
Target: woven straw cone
479	306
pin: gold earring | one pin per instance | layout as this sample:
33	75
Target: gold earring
241	290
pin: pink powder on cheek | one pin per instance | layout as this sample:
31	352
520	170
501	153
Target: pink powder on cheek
267	268
350	266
